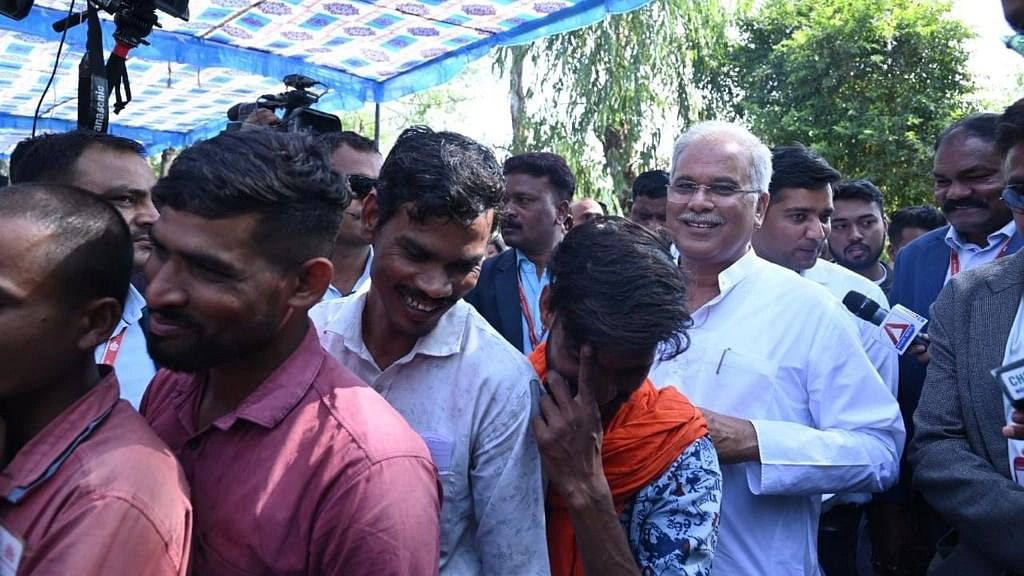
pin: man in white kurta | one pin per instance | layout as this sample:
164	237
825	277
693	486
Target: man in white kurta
793	404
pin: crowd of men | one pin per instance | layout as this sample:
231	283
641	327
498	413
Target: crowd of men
292	355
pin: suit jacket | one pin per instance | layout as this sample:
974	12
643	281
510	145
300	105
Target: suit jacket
958	453
919	276
496	297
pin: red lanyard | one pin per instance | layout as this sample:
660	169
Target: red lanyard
534	340
113	348
954	258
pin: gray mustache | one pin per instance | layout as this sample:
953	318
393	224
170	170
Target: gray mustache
701	219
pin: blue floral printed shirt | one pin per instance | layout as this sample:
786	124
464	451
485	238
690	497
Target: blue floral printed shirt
672	524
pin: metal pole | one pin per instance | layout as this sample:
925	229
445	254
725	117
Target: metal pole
376	123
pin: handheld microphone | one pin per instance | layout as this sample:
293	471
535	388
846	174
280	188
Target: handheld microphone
868	310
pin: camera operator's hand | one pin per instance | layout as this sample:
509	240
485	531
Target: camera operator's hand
261	117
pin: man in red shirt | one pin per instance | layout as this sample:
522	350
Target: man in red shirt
86	488
295	465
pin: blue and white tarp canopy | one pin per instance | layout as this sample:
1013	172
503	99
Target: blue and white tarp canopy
232	51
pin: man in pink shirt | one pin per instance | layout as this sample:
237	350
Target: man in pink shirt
86	488
296	466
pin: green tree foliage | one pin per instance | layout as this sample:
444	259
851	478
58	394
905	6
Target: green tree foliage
868	84
612	87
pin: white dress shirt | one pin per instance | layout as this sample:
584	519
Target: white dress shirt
972	255
132	363
839	282
779	351
1015	351
362	283
470	395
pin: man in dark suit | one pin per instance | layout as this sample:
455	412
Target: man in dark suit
968	176
539	187
968	182
961	455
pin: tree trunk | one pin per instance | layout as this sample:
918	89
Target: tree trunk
517	99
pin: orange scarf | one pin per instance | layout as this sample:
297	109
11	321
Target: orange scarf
647	434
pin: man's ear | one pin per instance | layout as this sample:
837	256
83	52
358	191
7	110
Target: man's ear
563	214
314	276
371	216
547	316
761	209
97	322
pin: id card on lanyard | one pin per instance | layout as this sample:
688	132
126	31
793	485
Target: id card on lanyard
113	347
954	258
535	340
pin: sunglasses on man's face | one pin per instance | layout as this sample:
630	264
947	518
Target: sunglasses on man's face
361	185
1013	196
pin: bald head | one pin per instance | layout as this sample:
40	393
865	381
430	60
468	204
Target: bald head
88	250
585	210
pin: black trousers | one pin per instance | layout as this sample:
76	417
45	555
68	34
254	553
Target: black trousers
838	534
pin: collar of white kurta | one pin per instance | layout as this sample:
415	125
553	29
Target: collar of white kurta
957	242
829	273
736	273
446	339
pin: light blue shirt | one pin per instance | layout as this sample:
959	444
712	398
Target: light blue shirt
361	285
133	365
532	289
971	255
470	395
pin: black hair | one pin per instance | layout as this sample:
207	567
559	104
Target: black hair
651	184
615	285
797	166
860	190
354	140
981	125
924	217
92	247
52	157
1010	129
544	164
284	178
439	175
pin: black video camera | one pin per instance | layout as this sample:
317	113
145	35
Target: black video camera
299	116
126	9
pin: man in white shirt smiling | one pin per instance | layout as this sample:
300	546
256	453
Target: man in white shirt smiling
466	390
792	402
795	229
